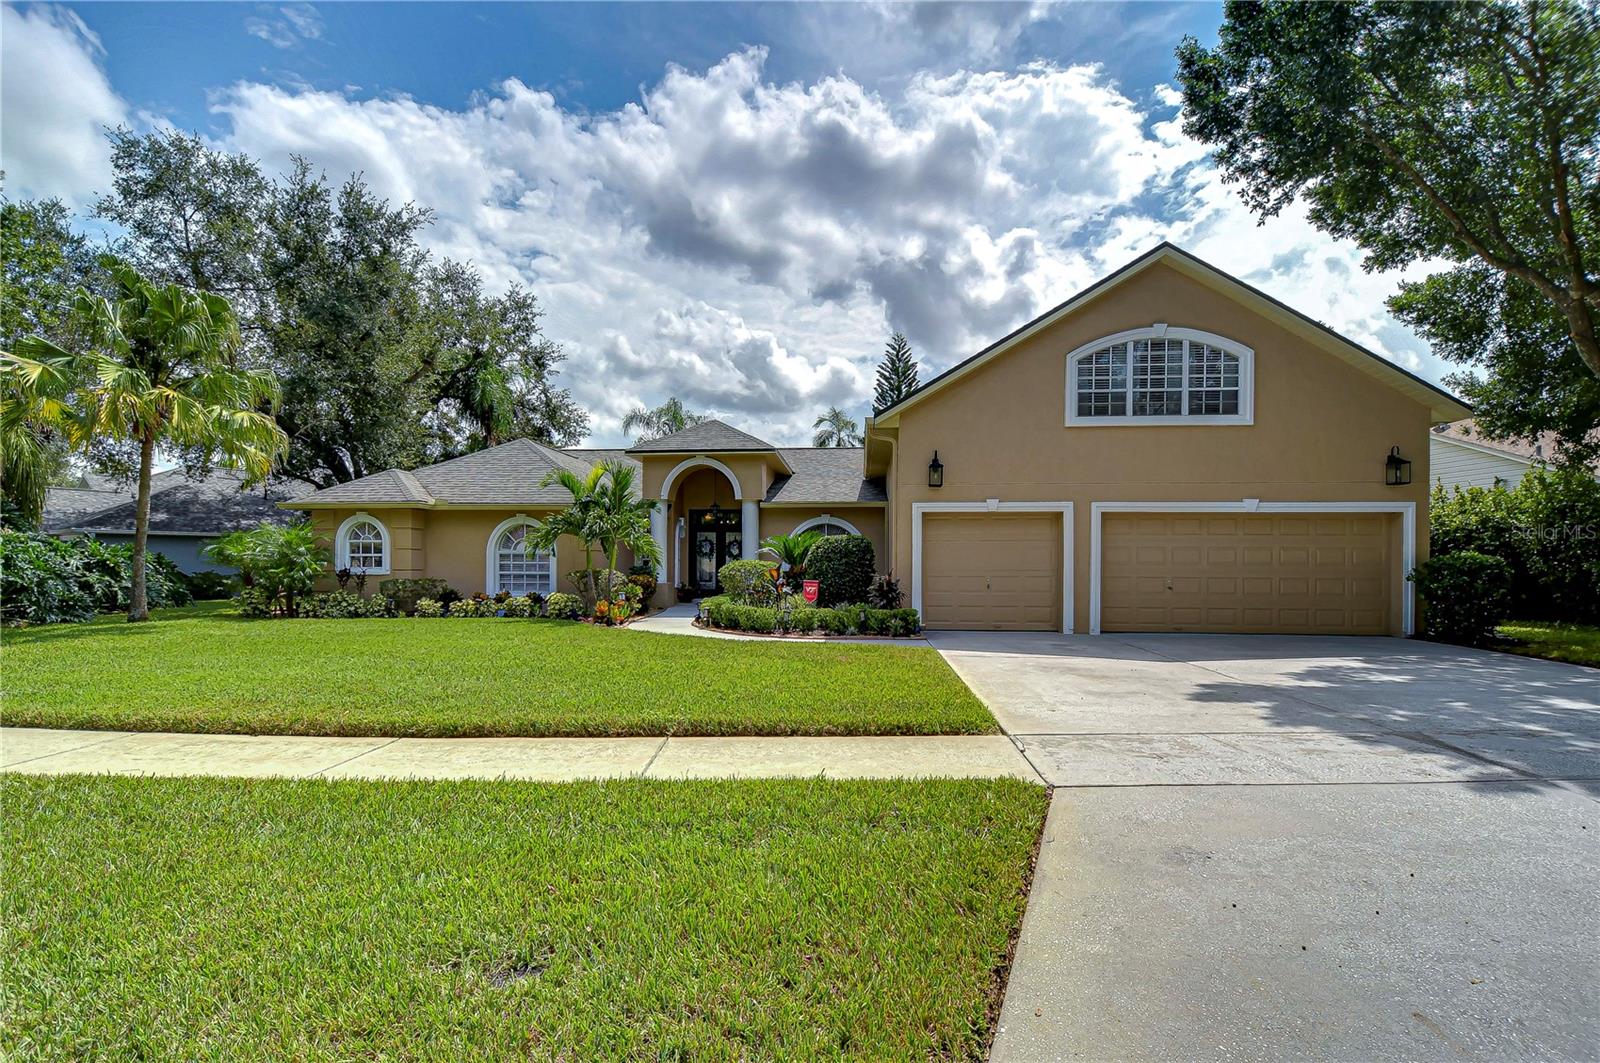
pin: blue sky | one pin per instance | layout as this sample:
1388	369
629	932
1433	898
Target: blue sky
731	203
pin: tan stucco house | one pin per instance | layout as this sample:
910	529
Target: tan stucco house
1168	450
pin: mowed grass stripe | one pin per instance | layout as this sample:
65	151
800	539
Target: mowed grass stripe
235	919
206	669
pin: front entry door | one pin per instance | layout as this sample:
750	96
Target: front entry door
716	542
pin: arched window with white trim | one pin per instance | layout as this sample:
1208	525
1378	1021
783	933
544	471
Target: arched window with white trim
362	545
1161	375
514	564
828	525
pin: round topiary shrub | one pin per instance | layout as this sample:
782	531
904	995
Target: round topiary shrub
749	582
1466	595
843	566
428	607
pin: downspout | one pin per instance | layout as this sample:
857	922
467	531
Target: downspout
888	484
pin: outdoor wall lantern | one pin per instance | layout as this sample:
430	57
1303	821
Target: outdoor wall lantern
1396	470
936	471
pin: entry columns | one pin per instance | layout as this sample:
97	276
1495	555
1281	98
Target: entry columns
749	528
658	532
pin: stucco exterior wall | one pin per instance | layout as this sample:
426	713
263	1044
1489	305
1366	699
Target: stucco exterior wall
1321	427
781	520
753	471
452	545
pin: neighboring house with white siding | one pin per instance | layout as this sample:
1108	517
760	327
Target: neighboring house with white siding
1459	456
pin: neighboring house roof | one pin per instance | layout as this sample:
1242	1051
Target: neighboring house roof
179	505
505	475
1442	405
1467	433
707	437
825	475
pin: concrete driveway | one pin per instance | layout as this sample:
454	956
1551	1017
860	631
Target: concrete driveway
1269	847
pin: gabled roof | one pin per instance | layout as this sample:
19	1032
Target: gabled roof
504	475
707	437
828	475
1467	434
1442	405
179	505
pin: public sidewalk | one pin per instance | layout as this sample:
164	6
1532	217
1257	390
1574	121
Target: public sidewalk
40	751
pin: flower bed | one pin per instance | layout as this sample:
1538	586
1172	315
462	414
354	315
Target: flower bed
723	613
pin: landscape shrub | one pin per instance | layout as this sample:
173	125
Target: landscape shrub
45	580
466	607
1466	595
405	593
428	608
750	582
523	606
345	605
885	593
596	583
254	603
563	606
895	623
209	586
723	611
1546	530
283	560
843	566
643	576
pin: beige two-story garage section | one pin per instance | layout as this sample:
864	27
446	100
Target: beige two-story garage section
1168	450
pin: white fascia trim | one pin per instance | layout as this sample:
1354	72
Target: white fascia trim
698	461
918	509
491	574
1408	536
341	543
826	518
1247	379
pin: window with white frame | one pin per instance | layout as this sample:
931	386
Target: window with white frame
1160	374
363	546
519	567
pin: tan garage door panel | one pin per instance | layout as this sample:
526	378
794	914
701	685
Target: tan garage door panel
1300	574
991	572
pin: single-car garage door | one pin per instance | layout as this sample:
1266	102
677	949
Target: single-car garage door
1298	574
990	571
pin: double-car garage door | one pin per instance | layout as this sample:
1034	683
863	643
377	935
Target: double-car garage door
1286	573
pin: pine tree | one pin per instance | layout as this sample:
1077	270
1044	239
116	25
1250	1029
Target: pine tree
897	375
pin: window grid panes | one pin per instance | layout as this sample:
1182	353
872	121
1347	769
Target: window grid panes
517	570
1103	382
1157	377
828	528
364	547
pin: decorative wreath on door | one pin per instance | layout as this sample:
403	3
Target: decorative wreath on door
707	548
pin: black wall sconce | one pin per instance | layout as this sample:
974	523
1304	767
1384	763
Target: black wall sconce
936	471
1396	470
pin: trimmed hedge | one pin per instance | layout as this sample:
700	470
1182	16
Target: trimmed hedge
1466	595
563	606
844	567
722	611
344	605
748	581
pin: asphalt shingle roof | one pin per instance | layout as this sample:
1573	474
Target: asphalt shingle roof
178	503
825	474
703	438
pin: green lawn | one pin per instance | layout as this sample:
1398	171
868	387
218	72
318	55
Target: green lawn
206	669
1573	643
231	919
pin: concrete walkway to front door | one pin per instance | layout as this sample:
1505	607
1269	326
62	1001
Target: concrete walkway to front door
1265	847
37	751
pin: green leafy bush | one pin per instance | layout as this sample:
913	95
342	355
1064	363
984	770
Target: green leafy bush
563	606
1466	595
1546	530
749	582
405	593
254	603
466	607
725	612
885	593
45	580
285	561
523	606
209	586
345	605
428	608
596	582
843	566
643	576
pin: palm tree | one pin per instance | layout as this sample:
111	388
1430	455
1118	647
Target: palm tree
162	371
835	429
576	520
33	417
790	552
622	520
671	416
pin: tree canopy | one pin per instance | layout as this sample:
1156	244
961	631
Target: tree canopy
1468	133
897	373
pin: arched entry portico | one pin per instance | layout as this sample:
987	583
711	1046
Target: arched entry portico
669	522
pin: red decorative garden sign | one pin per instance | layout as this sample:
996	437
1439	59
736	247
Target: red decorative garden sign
809	591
